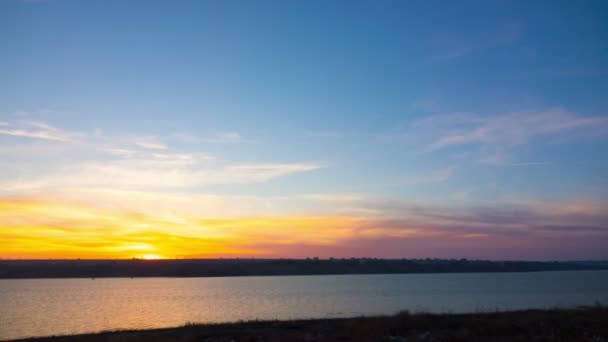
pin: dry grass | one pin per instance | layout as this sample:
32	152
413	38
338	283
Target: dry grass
583	324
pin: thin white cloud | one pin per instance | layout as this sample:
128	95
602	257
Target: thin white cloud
152	143
229	137
123	152
156	171
122	162
36	130
510	129
172	205
225	138
262	172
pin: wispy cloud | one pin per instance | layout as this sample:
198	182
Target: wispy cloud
261	172
150	142
127	162
123	152
229	137
514	219
36	130
225	138
507	130
156	171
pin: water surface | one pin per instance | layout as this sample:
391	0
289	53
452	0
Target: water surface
38	307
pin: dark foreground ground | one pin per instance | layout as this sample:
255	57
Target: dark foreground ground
583	324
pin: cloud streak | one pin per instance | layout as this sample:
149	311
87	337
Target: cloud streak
159	172
229	137
511	129
152	143
524	219
225	138
36	130
120	163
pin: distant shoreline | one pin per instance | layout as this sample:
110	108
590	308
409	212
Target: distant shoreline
191	268
582	324
293	275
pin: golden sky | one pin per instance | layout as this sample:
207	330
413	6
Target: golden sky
56	227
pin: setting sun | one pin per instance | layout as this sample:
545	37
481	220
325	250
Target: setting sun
150	257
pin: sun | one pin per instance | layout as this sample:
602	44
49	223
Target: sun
151	257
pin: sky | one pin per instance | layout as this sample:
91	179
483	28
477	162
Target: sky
293	129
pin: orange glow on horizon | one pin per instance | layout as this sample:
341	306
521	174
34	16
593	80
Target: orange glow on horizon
56	229
59	228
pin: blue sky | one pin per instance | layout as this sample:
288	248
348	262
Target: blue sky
316	107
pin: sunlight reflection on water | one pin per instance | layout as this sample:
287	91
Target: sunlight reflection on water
37	307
